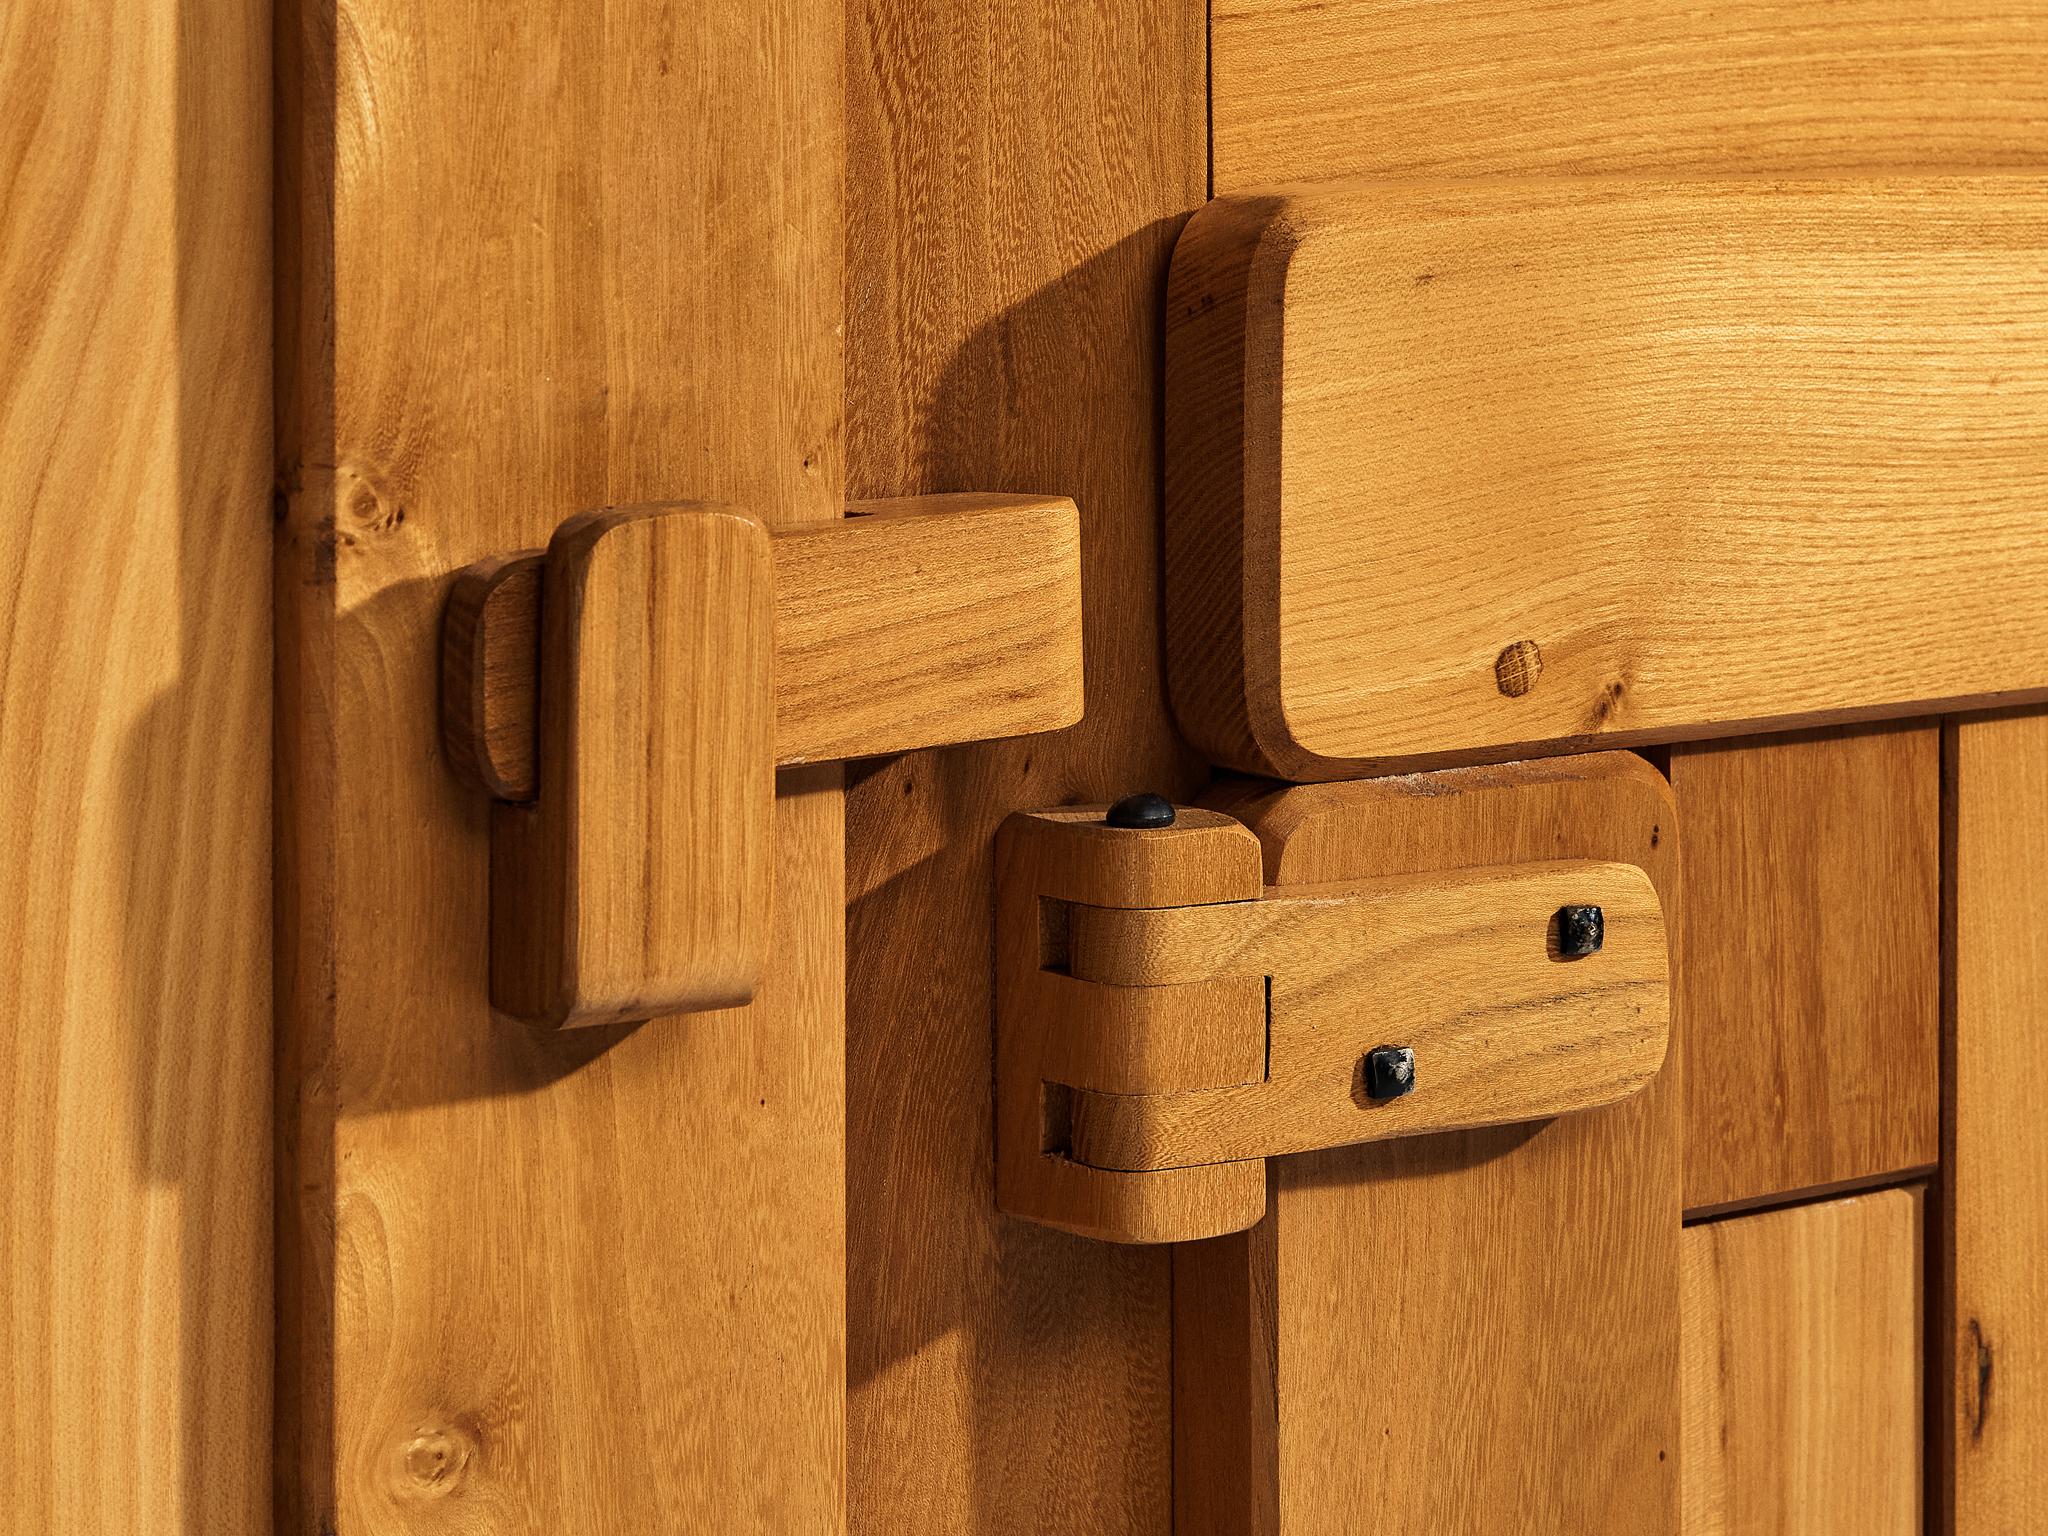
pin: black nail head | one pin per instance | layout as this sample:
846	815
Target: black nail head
1580	931
1389	1072
1140	811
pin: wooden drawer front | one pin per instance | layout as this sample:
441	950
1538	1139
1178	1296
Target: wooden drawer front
1802	1378
1810	993
1315	89
1472	472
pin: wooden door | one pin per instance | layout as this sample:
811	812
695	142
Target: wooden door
1663	485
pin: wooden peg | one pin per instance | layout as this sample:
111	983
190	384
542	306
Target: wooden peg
641	878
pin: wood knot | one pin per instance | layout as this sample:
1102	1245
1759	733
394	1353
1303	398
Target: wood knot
1517	667
435	1461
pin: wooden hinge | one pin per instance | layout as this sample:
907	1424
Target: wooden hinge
1166	1021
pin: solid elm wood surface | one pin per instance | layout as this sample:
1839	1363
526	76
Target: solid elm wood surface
641	881
1634	423
536	261
1802	1343
135	486
1461	967
1991	1399
1004	268
1812	988
1376	1343
918	621
1312	90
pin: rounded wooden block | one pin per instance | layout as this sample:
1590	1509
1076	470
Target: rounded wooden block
1467	472
640	881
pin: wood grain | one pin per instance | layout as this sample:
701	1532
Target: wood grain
1050	864
917	622
1811	993
1312	90
490	674
1991	1397
642	880
926	621
1377	1342
1803	1336
135	469
533	261
1004	270
1460	967
1631	423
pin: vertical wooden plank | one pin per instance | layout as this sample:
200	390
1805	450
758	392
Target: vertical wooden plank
1426	1333
1991	1396
1811	992
1802	1352
1017	173
135	768
535	260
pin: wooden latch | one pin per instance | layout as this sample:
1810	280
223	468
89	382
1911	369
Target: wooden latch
626	696
1166	1021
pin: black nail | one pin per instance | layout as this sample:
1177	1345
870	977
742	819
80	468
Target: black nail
1140	812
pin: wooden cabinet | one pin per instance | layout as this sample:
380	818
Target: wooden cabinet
1476	464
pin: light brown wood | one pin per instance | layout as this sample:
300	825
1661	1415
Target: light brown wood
1460	967
919	621
642	879
1631	423
1151	1039
537	260
135	481
926	621
490	674
1991	1397
1811	991
1047	862
1802	1382
1005	267
1375	1345
1318	89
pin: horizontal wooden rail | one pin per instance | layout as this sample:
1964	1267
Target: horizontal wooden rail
1467	472
1309	1017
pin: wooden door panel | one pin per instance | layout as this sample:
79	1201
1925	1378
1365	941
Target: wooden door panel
534	261
1992	1324
135	481
1016	174
1811	990
1424	1334
1316	89
1803	1382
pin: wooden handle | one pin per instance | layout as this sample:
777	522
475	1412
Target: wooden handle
915	622
626	697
